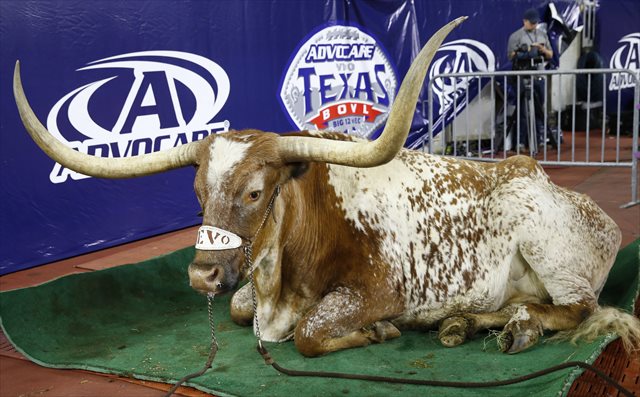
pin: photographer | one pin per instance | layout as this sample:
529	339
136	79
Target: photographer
528	49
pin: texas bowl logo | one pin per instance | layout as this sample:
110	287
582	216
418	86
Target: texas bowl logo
155	101
625	57
458	56
339	79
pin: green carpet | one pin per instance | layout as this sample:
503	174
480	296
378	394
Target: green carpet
144	321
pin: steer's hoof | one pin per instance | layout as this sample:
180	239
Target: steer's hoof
519	335
453	331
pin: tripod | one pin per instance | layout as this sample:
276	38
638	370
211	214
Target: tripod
530	114
528	96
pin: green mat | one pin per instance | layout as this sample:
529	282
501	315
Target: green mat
144	321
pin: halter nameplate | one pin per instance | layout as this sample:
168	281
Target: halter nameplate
211	238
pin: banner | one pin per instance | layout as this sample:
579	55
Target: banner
619	47
117	79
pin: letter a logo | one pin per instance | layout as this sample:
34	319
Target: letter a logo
152	104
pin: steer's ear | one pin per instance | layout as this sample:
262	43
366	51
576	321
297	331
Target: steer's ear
296	170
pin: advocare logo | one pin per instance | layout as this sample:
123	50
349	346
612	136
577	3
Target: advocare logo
162	99
340	79
627	56
458	56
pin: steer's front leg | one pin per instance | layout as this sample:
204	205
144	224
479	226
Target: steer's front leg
338	322
242	306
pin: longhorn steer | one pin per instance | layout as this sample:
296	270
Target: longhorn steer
365	238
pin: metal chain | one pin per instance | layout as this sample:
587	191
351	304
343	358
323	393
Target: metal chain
248	248
255	310
212	352
275	194
248	255
248	259
248	262
214	340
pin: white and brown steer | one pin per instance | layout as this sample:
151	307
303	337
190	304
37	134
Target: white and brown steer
366	238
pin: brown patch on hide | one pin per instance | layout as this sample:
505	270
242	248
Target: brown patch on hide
468	278
517	167
319	253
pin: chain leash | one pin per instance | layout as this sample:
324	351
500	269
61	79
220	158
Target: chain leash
248	256
248	259
214	340
248	262
212	352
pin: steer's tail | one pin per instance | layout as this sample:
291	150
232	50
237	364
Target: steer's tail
606	320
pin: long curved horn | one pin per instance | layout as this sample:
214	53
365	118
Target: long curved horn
101	167
383	149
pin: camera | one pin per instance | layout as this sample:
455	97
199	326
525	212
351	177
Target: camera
527	58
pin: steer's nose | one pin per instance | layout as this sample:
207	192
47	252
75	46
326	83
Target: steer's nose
207	278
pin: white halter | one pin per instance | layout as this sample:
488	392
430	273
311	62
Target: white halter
211	238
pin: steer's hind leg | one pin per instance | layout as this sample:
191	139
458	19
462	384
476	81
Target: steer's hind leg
523	324
343	319
569	276
530	320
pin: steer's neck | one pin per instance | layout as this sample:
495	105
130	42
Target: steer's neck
294	255
304	240
311	221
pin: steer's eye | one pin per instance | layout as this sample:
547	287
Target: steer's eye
253	196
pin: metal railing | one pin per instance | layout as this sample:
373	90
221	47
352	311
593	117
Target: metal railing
492	130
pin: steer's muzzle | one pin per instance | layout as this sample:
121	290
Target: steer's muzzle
217	279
